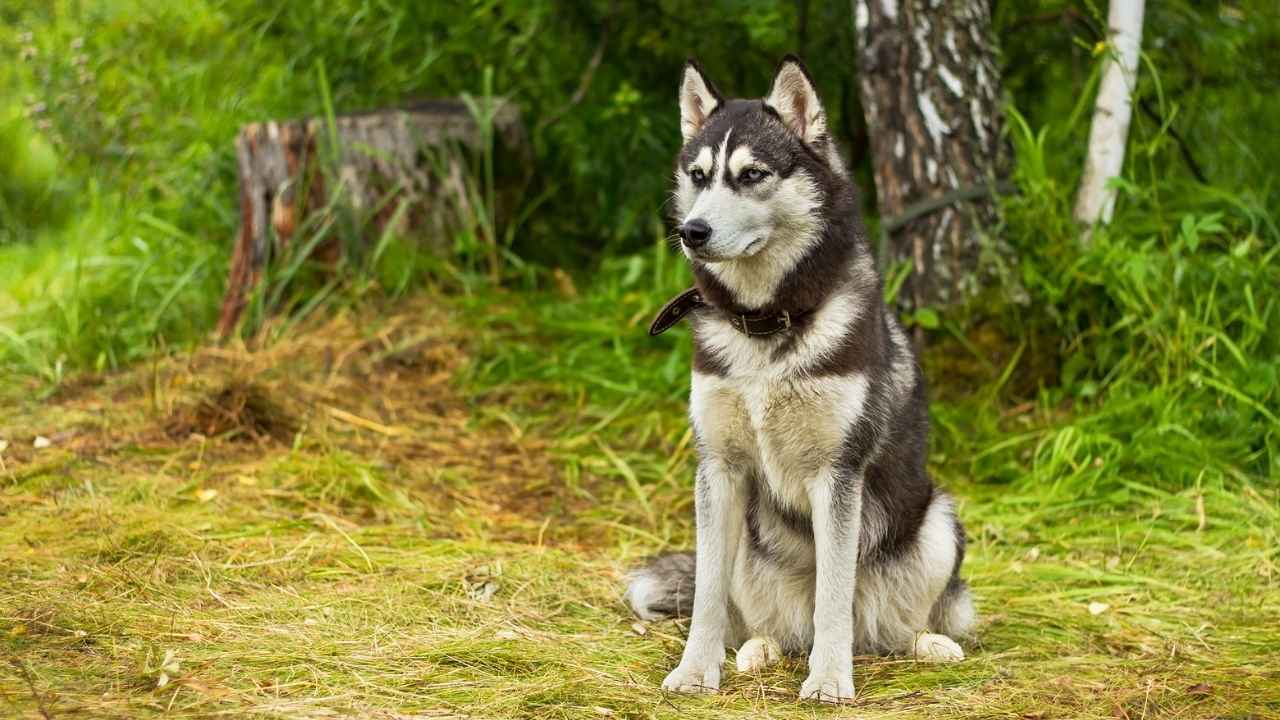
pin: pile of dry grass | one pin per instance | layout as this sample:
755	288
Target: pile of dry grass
374	395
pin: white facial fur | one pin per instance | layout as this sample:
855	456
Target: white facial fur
739	219
758	232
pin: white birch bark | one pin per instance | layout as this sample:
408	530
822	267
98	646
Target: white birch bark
1111	113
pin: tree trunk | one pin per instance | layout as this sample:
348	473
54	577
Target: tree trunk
932	99
384	168
1111	114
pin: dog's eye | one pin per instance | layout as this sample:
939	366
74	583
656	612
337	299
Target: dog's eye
697	175
752	175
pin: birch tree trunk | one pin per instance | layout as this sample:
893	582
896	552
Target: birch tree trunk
1111	113
932	98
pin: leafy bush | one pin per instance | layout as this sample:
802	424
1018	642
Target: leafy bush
1151	349
31	195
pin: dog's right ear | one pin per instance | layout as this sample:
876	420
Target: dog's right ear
698	99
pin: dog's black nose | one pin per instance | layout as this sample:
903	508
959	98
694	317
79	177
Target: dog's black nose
695	233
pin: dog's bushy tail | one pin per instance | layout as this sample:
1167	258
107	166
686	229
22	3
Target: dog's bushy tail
662	588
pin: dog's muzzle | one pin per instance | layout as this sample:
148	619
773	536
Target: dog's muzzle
695	233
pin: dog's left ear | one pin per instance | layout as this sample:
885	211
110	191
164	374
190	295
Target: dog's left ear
796	100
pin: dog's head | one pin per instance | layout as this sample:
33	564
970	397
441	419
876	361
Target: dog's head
752	174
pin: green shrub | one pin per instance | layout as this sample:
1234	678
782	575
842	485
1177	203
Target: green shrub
32	194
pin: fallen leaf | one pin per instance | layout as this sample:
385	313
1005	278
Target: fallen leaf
507	635
206	494
564	283
41	442
483	592
169	666
1200	690
639	628
1097	608
482	583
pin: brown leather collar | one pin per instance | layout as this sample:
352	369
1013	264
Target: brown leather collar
749	325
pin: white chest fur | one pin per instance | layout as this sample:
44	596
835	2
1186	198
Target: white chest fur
787	430
768	414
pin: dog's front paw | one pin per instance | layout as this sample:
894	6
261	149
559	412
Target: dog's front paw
694	677
828	687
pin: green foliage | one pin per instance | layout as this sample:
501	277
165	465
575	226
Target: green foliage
31	195
1164	336
1149	351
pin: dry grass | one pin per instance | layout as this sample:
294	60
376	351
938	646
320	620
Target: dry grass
332	526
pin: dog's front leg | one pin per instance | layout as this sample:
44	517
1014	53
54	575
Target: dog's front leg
719	506
836	507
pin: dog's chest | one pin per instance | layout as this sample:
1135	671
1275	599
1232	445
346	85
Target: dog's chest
787	429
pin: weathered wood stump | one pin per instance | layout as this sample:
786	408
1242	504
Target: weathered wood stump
399	163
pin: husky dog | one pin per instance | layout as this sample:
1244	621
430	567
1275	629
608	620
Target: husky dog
819	530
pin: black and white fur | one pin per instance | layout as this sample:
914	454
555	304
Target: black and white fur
819	530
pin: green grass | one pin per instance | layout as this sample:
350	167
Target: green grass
341	569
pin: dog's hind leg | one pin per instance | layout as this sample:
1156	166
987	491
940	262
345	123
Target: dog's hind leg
916	605
953	613
952	616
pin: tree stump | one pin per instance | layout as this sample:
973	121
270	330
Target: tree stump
400	163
